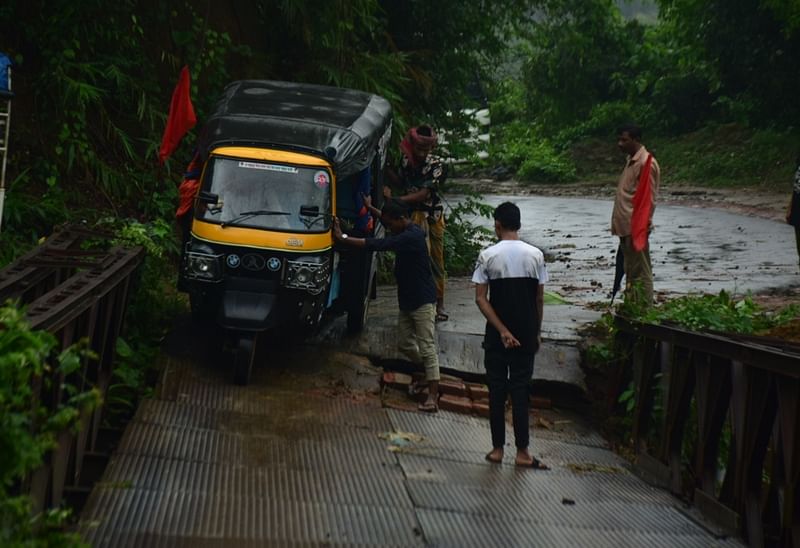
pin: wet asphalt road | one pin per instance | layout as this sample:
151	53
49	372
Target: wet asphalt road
693	250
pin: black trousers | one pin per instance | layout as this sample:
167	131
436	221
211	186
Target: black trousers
509	372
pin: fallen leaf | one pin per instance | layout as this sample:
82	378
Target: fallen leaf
584	467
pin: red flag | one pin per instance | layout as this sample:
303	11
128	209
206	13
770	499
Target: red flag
642	207
181	116
189	186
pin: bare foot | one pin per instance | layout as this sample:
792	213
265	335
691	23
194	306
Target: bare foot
495	456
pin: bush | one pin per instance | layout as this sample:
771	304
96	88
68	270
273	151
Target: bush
154	303
544	164
603	121
464	239
27	429
720	312
729	155
521	148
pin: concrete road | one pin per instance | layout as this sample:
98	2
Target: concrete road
694	250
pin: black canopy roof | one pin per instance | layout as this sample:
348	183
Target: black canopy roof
345	125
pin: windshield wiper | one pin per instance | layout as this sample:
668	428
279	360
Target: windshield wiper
248	214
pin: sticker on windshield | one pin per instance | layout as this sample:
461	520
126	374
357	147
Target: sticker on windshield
321	179
268	167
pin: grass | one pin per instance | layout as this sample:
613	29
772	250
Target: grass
716	156
730	156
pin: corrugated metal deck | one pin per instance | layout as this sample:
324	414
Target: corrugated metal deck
208	464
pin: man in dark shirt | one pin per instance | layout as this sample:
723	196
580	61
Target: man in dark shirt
793	212
418	184
416	292
509	291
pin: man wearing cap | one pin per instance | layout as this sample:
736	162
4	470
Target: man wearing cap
418	180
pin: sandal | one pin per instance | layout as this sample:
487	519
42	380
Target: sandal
535	463
441	317
428	407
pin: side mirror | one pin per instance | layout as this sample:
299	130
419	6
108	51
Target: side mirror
208	197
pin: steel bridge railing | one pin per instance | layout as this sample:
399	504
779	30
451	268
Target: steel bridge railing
74	294
717	419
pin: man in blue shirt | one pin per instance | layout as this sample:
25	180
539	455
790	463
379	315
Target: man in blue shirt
416	292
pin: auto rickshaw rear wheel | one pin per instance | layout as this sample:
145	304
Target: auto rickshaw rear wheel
243	358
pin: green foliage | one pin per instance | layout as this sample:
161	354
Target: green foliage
386	268
628	397
603	121
728	155
751	45
578	48
542	163
129	380
19	530
585	71
464	238
451	47
157	238
27	217
720	312
27	428
602	349
522	148
153	304
347	42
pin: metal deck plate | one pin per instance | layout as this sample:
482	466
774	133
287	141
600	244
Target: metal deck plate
449	529
188	515
213	465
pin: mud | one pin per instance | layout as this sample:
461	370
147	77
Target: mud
705	240
749	201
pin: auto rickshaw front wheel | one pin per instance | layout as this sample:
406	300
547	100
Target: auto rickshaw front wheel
358	311
243	357
204	308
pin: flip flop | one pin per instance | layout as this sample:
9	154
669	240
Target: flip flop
428	407
441	317
536	464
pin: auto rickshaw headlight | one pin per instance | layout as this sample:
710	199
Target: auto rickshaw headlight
303	275
202	266
309	273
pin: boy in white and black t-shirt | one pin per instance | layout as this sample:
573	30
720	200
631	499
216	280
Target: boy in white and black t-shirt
509	290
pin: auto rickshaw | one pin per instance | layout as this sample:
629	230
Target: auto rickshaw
280	161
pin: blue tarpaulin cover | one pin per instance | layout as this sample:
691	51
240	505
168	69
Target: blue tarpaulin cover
5	63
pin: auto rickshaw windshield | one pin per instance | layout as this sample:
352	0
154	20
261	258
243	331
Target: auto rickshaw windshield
267	196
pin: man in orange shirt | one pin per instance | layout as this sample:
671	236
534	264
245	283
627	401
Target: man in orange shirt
640	169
